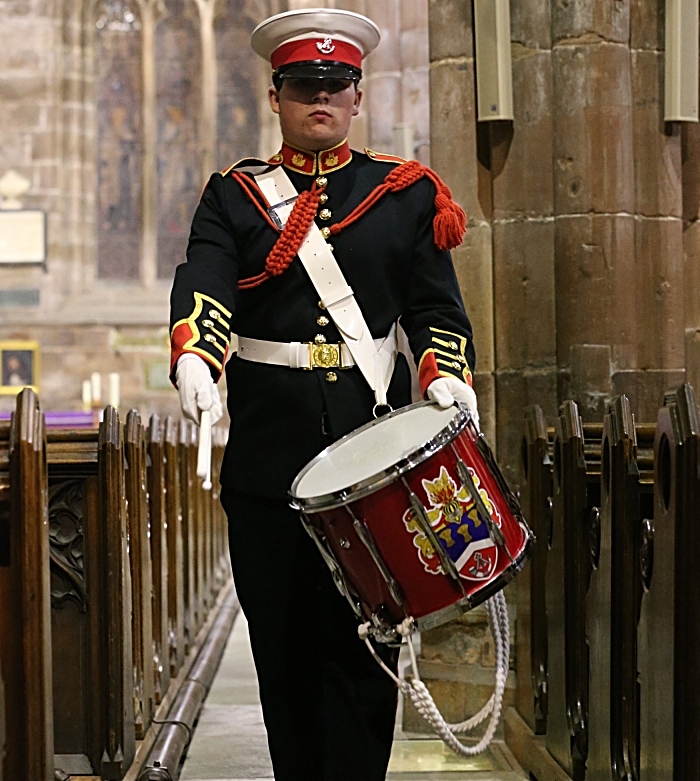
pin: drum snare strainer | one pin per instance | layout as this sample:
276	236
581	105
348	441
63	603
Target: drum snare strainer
417	525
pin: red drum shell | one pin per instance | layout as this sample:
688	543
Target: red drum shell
428	594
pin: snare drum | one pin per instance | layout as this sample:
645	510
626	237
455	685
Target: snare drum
413	517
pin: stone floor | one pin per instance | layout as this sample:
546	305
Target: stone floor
229	743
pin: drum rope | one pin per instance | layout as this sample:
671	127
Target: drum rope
417	691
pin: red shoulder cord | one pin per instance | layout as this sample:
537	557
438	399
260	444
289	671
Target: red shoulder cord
449	223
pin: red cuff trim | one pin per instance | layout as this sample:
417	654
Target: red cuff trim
181	336
427	372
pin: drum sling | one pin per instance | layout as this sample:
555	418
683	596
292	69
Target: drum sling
375	362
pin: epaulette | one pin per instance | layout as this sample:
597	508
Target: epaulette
252	162
380	157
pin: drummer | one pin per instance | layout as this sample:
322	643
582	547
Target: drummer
301	379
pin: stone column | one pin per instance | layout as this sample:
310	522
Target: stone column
691	249
415	78
151	10
383	77
207	10
458	156
76	144
593	200
456	659
523	237
658	237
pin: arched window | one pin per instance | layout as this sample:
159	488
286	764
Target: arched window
119	140
178	87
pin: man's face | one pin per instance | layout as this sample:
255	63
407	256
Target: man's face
315	114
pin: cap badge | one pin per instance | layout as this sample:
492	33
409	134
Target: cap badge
326	47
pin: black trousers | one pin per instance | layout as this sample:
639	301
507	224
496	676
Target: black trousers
328	707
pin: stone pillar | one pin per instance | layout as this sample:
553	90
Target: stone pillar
658	237
383	77
415	76
455	155
593	200
207	10
523	237
456	660
691	249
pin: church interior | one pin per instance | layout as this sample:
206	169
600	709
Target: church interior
568	132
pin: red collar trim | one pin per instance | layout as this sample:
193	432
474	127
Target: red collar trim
313	163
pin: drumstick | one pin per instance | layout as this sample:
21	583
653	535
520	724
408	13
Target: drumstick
204	450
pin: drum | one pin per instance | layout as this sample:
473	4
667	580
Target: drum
413	517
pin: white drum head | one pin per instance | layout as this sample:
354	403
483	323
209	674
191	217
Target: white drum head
372	450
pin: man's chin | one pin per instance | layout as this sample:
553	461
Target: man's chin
322	138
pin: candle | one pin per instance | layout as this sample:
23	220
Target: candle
87	395
96	388
114	389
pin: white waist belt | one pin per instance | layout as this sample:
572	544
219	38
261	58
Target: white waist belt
309	355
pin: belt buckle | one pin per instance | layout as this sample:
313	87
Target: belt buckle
324	356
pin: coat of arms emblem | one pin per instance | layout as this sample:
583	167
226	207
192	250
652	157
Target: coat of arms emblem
460	530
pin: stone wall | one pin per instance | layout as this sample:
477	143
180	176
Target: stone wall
581	264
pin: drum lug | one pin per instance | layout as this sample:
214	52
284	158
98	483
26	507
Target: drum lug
365	536
467	481
448	566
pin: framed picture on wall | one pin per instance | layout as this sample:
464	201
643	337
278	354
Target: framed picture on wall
19	366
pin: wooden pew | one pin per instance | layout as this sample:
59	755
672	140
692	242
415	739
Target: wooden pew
176	566
531	626
25	619
568	571
187	457
141	572
91	600
668	632
157	510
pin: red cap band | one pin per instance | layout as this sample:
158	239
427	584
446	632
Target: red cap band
316	49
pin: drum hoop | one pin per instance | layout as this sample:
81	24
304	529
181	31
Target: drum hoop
387	476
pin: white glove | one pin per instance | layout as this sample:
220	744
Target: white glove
197	389
446	390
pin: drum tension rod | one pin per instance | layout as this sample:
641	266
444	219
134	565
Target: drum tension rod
448	566
331	563
467	481
365	535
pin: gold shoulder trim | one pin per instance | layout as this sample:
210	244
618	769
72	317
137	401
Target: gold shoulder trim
381	157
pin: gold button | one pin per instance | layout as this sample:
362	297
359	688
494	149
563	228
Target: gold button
453	345
322	320
321	305
209	338
207	323
330	247
331	377
213	313
326	232
462	359
456	364
323	197
321	181
325	214
320	339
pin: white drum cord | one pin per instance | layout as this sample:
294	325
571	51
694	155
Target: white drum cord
421	698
